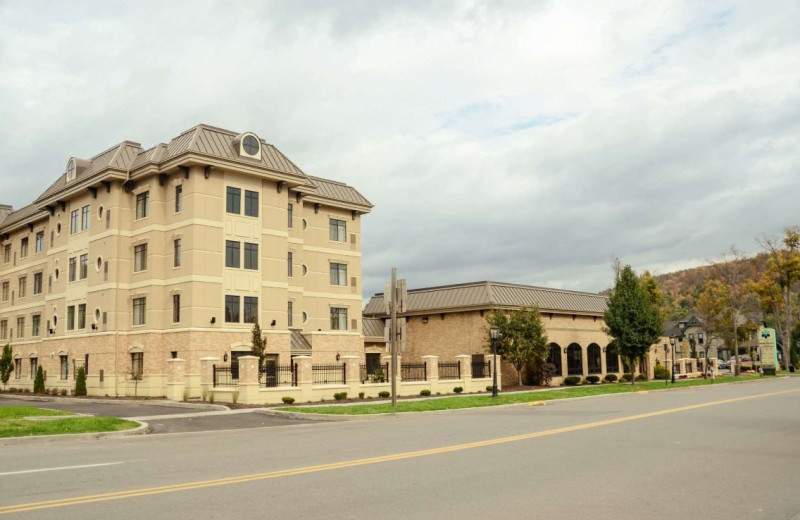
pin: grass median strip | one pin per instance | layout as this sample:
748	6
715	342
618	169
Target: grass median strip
475	401
13	422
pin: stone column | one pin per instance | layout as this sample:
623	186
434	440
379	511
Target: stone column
305	377
682	366
693	364
207	375
176	379
465	360
432	372
388	359
353	374
248	380
584	361
499	374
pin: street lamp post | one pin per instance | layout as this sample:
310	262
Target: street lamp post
666	361
672	368
494	333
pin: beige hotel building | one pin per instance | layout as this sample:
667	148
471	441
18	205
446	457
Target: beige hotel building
134	257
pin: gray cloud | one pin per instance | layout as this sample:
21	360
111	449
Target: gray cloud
518	141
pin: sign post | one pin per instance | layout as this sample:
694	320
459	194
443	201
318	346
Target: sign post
768	350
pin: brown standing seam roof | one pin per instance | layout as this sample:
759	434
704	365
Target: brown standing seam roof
22	214
491	295
299	342
372	327
337	191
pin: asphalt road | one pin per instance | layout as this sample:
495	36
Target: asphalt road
721	452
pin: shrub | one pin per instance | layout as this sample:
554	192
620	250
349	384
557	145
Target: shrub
592	380
383	393
361	395
287	400
641	377
489	388
38	382
572	380
458	389
425	392
661	372
80	382
610	378
378	376
63	391
340	396
626	378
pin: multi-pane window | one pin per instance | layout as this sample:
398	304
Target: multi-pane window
178	198
139	310
233	200
71	317
140	257
20	327
36	325
34	367
23	247
176	308
289	263
338	274
250	203
40	241
84	264
137	364
232	254
176	249
85	212
231	309
73	268
142	201
289	212
23	286
5	291
64	367
37	283
250	309
338	230
73	221
82	316
338	318
4	329
6	253
289	313
17	368
250	256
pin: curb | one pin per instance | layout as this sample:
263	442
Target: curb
124	402
142	429
319	417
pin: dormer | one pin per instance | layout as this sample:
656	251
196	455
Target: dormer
247	145
75	167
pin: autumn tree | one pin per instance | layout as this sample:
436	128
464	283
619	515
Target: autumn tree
633	318
522	337
259	348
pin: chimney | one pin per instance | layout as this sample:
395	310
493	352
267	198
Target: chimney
5	210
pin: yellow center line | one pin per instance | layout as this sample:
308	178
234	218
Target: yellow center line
119	495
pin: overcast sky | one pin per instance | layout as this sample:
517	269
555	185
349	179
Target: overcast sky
526	142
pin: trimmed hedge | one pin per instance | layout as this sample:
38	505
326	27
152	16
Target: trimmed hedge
425	392
593	380
458	389
384	393
626	378
572	380
611	378
340	396
287	400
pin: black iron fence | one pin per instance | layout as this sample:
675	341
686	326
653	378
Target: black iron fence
225	376
676	368
481	370
329	374
273	375
414	371
450	370
688	368
375	373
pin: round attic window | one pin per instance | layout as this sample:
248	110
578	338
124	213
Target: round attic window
250	145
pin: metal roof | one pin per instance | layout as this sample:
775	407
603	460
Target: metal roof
486	295
299	342
337	191
22	214
373	327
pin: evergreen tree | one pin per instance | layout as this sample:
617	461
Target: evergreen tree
6	364
38	383
259	348
633	318
80	382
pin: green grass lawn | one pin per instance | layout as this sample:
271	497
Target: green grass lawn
473	401
13	424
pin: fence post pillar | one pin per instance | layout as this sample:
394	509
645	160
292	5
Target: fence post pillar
693	361
207	375
465	362
432	372
388	359
305	377
682	366
353	374
176	379
714	362
248	380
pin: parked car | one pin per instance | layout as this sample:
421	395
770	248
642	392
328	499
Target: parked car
724	365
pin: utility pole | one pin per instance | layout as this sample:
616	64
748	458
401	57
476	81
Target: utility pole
393	333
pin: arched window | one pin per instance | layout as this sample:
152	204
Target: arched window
593	353
555	359
574	360
612	359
